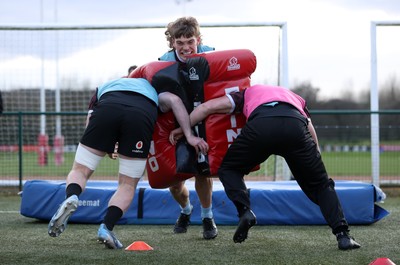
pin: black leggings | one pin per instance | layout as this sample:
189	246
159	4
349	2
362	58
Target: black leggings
290	138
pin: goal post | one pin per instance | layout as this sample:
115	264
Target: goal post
374	98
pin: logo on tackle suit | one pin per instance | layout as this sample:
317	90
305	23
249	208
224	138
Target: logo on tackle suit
138	146
193	76
233	64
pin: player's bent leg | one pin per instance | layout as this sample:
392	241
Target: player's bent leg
85	163
204	187
123	196
181	195
130	172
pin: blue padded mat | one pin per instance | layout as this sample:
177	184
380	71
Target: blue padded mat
274	203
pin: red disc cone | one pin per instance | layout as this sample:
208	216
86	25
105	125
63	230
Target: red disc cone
139	246
382	261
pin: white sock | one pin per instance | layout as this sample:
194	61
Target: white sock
206	212
188	208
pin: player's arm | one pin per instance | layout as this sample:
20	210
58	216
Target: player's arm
168	101
221	105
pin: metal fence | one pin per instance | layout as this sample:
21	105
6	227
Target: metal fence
27	154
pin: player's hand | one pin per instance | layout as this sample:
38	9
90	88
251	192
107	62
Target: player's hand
114	155
198	143
175	135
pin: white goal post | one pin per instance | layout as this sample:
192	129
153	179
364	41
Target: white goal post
374	98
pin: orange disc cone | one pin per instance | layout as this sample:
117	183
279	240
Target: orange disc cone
382	261
139	246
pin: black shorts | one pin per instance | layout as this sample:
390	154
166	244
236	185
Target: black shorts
130	123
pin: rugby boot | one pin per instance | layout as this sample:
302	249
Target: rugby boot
182	223
58	222
108	238
247	220
210	230
345	241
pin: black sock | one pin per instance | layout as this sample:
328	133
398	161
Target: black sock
340	229
73	189
241	208
113	214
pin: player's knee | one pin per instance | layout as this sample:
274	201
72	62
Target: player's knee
178	188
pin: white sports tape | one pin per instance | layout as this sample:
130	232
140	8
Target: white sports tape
133	168
87	158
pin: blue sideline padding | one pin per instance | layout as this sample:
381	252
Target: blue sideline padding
274	203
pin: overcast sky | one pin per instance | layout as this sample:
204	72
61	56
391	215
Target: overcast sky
328	41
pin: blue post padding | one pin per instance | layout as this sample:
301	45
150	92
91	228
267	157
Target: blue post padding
274	203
